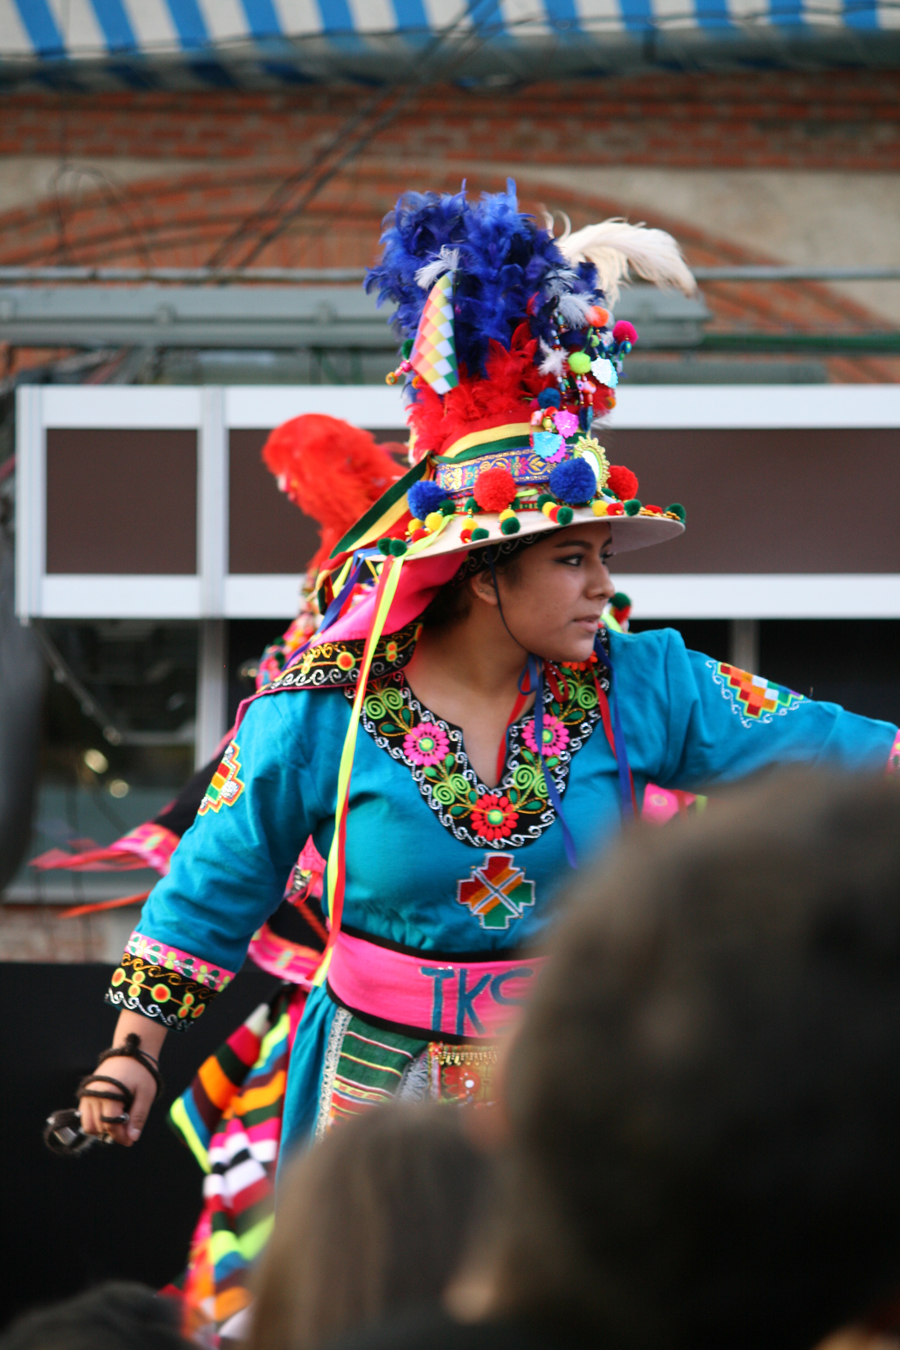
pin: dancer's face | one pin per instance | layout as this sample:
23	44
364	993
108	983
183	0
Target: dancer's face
554	595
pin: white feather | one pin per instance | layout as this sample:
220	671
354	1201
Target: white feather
446	261
574	309
554	362
614	245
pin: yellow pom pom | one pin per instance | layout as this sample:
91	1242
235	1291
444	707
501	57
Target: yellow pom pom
548	507
434	520
598	508
506	514
414	525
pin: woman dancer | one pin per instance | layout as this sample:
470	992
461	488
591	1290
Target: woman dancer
504	732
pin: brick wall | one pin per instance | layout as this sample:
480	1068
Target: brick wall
832	119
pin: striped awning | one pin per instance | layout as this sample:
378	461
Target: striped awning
158	42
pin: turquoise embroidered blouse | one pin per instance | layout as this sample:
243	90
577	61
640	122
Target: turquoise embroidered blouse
422	830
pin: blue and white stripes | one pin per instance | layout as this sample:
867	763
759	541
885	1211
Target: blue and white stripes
304	36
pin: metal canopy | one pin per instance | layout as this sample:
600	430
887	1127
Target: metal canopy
180	43
264	317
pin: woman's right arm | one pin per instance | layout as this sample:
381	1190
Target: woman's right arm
228	875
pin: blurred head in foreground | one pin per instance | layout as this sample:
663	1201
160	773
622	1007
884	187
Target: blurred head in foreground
370	1223
115	1316
704	1100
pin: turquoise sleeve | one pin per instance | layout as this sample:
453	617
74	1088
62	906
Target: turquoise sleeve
724	724
229	871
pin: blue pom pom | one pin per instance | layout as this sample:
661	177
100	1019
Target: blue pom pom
423	498
573	481
549	398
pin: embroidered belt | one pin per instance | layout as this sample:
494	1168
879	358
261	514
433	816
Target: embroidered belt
438	998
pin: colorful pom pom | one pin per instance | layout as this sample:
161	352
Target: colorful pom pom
620	601
564	515
425	497
434	520
573	481
545	500
384	546
510	525
632	507
622	482
549	398
599	508
479	534
580	362
597	316
420	533
615	509
494	488
676	509
398	548
625	332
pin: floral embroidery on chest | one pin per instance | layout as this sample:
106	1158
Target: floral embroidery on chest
514	813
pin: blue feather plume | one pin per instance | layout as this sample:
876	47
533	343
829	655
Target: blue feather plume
506	262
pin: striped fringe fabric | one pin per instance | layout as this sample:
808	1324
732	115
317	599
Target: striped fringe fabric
367	1069
230	1117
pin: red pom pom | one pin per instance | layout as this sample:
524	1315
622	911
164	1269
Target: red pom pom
494	489
625	332
622	482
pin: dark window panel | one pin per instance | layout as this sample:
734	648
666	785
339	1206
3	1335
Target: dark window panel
121	501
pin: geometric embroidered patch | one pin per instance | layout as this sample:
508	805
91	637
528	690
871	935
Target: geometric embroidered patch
434	350
225	787
754	698
496	892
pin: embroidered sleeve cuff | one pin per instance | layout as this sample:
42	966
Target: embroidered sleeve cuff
893	763
164	983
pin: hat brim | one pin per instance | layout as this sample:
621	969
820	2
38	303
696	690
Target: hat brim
628	532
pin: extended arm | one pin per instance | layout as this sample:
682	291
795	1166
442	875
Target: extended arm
227	876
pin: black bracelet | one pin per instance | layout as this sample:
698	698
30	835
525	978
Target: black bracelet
132	1050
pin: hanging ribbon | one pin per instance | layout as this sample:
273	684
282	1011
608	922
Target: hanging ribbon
626	784
336	871
535	668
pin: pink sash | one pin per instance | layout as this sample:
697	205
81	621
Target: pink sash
438	997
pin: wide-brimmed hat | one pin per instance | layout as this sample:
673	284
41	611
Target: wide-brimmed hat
510	353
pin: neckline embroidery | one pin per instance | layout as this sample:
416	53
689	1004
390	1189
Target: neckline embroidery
514	813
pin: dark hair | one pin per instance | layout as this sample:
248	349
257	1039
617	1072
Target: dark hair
704	1097
372	1221
454	600
115	1316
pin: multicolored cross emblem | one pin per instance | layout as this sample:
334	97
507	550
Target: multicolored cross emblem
225	787
496	892
754	696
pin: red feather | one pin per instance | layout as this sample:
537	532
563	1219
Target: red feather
513	381
331	470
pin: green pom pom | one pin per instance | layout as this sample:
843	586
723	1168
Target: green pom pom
479	534
406	349
676	509
632	507
564	515
472	507
509	526
544	498
580	363
398	548
447	507
384	546
620	600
